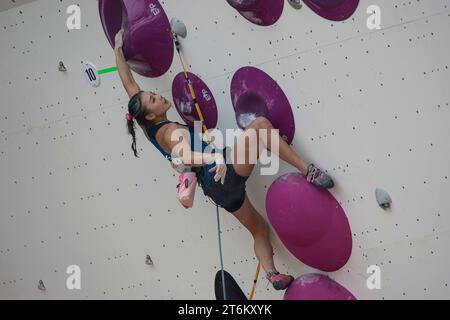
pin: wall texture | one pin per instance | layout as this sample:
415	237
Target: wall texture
372	107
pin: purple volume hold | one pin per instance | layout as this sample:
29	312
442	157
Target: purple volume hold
148	45
260	12
310	222
254	93
315	286
185	104
335	10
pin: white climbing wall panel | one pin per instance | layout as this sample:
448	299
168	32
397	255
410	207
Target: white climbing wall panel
371	106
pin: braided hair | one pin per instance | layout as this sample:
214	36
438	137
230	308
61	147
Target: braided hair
138	112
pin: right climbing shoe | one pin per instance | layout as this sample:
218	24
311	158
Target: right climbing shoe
279	281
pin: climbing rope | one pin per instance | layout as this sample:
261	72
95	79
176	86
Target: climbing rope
220	254
200	115
254	282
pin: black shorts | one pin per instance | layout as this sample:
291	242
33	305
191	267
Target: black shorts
231	194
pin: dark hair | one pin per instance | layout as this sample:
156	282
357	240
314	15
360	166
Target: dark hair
138	112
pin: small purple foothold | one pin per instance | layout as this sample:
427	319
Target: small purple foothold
315	286
148	44
310	222
185	104
260	12
335	10
254	93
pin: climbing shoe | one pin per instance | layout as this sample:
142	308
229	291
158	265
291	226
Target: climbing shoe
318	177
278	280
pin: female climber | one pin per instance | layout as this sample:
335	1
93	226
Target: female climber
223	182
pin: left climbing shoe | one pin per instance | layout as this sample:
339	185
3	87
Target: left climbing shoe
318	177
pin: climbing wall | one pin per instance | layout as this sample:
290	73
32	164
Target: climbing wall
371	107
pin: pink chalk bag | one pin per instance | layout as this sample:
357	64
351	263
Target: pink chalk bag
187	182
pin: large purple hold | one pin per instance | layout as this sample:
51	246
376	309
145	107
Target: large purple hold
317	287
260	12
310	222
148	45
254	93
185	105
244	5
335	10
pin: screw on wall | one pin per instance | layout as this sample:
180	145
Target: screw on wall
296	4
148	260
41	286
62	67
383	199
